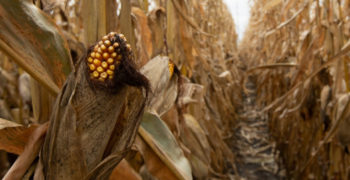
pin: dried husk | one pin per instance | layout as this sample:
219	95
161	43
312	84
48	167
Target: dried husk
91	129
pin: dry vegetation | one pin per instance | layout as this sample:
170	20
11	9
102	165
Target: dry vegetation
297	52
190	113
290	73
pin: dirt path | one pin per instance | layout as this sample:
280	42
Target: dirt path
255	153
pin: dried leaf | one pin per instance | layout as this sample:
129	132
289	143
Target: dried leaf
286	22
271	4
99	19
126	24
91	129
195	139
34	42
154	167
190	93
163	85
160	139
31	151
156	20
144	44
13	136
124	171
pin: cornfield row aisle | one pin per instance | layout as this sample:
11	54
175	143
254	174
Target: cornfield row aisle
256	154
298	52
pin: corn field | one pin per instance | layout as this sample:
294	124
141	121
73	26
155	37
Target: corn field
163	89
300	62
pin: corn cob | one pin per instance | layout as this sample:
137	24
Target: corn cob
105	57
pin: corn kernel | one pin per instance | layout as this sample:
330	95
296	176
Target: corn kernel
95	74
105	55
100	69
122	37
98	55
97	62
99	50
116	44
114	54
110	72
92	67
171	68
110	76
104	64
110	60
110	49
100	42
103	47
111	34
104	75
105	38
101	79
111	67
90	60
92	54
128	46
107	43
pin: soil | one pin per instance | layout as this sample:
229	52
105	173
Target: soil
256	154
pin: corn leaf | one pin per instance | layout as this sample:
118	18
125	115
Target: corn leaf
164	87
13	136
33	40
159	137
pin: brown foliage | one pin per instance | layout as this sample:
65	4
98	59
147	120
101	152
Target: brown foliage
298	50
86	124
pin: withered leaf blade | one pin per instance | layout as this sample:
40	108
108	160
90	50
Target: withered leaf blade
159	137
90	129
271	4
126	23
342	123
143	35
13	136
164	87
29	154
37	45
190	93
124	171
157	24
33	40
195	139
153	167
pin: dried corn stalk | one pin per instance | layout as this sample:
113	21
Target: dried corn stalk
298	51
